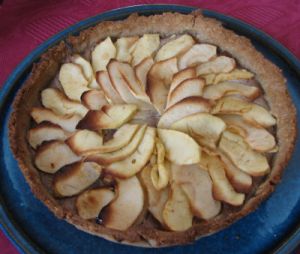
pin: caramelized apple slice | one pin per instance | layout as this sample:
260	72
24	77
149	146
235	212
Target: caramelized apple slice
94	99
128	204
68	123
175	47
203	127
177	213
136	161
102	53
197	185
83	141
75	178
124	152
180	148
123	46
218	65
107	87
197	54
222	189
256	137
215	92
251	112
142	69
233	75
55	100
52	156
90	203
156	199
73	81
109	117
158	82
183	108
144	47
242	155
85	65
45	132
181	76
187	88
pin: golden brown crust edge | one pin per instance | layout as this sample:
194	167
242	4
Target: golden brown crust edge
204	29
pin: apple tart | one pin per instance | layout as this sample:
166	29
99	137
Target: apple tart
153	131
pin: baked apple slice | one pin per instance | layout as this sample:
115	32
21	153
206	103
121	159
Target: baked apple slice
90	203
180	148
128	204
109	117
102	53
199	53
73	81
85	65
136	161
246	159
236	74
75	178
219	64
94	99
251	112
175	47
52	156
158	82
183	108
205	128
45	132
68	122
123	46
55	100
197	185
142	69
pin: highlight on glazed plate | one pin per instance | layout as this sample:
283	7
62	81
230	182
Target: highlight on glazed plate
152	136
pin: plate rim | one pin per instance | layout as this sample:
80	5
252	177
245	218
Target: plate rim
13	232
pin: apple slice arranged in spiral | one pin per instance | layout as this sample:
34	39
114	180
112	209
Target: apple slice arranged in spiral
142	69
219	64
123	46
94	99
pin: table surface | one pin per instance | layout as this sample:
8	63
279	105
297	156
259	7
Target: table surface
24	24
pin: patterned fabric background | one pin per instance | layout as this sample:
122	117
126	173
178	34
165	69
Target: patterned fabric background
24	24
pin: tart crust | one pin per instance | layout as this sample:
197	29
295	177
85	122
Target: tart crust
206	30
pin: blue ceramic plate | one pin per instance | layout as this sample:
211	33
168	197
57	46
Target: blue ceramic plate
33	229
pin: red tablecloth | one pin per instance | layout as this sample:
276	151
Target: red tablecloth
24	24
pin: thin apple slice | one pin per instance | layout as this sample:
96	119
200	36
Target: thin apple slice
240	181
107	87
205	128
83	141
68	123
102	53
128	204
55	100
197	54
215	92
236	74
251	112
123	46
242	155
156	199
218	65
52	156
158	82
136	161
183	108
75	178
197	185
175	47
119	155
144	47
142	69
109	117
85	65
94	99
177	215
45	132
222	189
73	81
257	138
187	88
174	141
90	203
